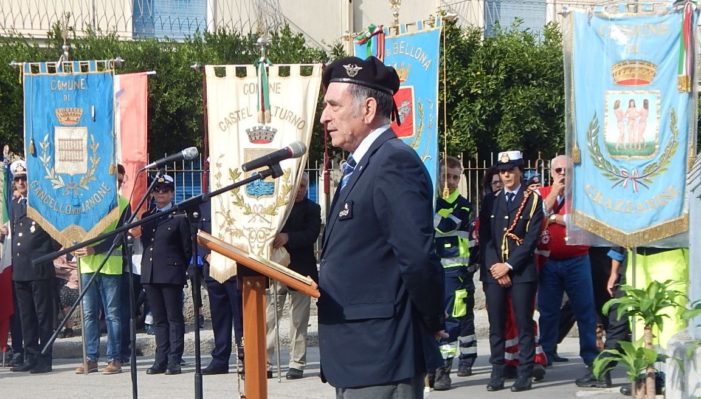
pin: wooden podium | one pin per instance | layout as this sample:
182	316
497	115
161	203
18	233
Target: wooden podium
254	331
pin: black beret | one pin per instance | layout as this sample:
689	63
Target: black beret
369	73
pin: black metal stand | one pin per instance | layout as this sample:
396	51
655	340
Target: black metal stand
195	216
132	318
119	238
189	205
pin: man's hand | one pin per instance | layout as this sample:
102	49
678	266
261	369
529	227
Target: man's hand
499	270
280	240
504	281
135	231
559	186
85	251
440	334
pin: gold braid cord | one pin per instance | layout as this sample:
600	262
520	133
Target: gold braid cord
510	231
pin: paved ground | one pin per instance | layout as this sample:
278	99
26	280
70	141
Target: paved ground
63	383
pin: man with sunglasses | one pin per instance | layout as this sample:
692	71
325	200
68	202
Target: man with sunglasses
567	269
34	284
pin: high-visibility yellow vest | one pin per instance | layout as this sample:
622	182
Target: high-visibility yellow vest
113	266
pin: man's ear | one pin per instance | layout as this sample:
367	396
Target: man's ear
369	109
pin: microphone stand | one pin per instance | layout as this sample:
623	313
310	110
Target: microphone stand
117	241
194	216
273	171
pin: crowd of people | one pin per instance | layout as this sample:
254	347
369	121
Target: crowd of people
398	261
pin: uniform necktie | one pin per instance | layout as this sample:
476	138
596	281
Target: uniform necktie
510	197
347	169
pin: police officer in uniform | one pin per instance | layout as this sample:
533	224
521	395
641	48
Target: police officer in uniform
34	284
167	252
510	225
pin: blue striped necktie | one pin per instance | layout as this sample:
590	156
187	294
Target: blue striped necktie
347	169
510	197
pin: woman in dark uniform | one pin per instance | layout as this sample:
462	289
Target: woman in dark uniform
167	251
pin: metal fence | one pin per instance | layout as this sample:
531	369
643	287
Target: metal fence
188	177
475	169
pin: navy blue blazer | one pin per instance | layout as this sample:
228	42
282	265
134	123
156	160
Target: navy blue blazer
380	279
167	249
496	216
29	241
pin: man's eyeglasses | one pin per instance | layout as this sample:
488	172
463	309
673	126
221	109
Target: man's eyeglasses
161	189
20	178
560	171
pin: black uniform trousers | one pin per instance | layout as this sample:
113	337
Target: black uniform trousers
36	300
166	301
226	307
16	327
523	303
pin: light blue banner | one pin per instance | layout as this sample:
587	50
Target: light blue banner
416	57
631	124
70	149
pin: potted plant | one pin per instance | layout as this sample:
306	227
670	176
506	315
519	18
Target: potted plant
647	305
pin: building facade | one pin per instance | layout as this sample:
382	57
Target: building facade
323	22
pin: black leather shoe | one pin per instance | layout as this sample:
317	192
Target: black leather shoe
173	370
294	374
626	390
26	366
590	381
522	384
213	370
41	368
155	370
496	381
559	359
269	373
493	387
538	372
17	360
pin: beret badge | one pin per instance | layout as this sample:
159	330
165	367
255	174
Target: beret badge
352	70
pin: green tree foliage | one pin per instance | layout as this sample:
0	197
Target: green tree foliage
175	92
504	91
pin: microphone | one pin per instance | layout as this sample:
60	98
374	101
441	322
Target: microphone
187	154
294	150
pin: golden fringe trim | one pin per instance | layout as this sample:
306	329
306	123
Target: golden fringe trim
636	239
223	272
74	234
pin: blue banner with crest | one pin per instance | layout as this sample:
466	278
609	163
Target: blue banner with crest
631	119
69	147
415	53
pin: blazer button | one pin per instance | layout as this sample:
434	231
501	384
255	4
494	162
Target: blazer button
504	228
153	239
506	217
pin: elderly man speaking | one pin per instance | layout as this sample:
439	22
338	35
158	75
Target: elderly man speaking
381	283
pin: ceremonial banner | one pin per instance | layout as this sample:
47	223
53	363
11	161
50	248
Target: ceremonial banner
631	119
250	116
69	148
415	54
131	126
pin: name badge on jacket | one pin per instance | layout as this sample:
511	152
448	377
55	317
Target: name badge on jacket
346	212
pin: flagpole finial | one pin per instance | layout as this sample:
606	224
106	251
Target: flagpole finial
395	5
263	42
65	28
